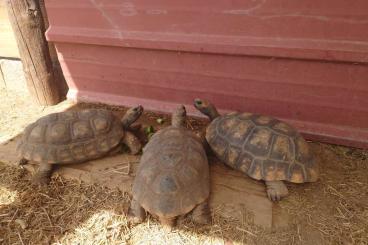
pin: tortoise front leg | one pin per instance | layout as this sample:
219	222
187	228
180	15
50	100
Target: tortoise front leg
276	190
202	214
135	127
136	212
43	174
115	150
132	142
22	161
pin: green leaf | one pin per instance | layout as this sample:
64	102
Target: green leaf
149	130
160	120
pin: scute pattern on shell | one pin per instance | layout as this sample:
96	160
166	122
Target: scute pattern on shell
71	136
262	147
173	174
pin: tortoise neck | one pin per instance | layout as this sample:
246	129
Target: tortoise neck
127	120
212	113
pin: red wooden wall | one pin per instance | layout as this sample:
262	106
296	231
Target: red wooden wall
301	61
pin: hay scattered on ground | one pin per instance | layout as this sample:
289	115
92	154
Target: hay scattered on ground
332	211
68	212
336	207
40	215
6	196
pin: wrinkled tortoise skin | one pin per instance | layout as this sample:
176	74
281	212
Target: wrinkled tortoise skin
71	137
262	147
173	175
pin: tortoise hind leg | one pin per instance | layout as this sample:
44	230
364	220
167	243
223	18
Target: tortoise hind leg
136	212
43	174
276	190
132	142
202	214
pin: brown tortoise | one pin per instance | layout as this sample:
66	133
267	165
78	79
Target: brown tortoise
173	176
262	147
74	137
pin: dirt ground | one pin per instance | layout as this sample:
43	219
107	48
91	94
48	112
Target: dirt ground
333	210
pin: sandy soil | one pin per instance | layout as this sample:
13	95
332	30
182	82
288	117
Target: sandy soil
332	211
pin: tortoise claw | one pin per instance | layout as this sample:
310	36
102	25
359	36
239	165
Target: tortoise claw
136	214
276	190
40	180
134	220
22	162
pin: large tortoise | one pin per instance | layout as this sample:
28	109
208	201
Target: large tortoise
75	137
173	176
262	147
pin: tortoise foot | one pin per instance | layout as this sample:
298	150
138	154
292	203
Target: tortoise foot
132	142
136	213
167	228
134	220
40	180
43	175
202	214
203	219
22	162
276	190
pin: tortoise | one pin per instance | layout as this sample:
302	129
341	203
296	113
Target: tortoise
262	147
173	176
75	137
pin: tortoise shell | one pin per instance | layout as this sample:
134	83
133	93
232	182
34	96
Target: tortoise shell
262	147
173	175
71	136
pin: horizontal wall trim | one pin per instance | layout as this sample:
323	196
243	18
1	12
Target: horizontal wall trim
291	48
183	88
203	74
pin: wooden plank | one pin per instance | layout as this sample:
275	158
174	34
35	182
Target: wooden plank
235	192
29	29
8	44
231	192
61	83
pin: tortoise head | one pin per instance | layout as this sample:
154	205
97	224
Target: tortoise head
131	116
206	108
179	116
